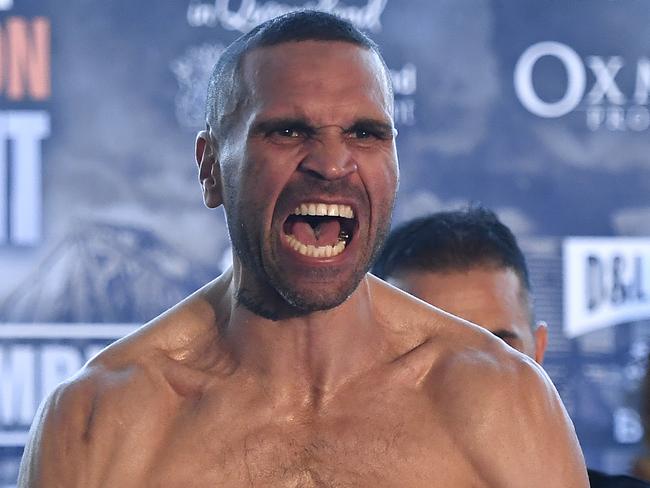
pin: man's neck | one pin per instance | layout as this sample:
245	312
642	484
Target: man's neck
308	356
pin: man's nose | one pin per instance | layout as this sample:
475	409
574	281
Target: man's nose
329	158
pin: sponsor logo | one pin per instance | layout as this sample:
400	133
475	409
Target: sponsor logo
604	103
251	13
606	282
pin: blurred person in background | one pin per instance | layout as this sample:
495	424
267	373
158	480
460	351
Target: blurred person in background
468	263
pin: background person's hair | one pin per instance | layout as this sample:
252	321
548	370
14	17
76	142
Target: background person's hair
452	241
225	88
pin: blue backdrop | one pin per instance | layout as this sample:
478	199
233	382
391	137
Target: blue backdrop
537	109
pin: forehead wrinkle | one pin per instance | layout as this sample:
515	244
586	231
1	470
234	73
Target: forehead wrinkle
253	64
316	115
319	121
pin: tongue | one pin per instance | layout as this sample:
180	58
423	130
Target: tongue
325	233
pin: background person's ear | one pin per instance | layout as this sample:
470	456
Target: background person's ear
541	341
209	170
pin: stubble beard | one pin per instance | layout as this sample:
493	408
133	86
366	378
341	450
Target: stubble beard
275	297
306	303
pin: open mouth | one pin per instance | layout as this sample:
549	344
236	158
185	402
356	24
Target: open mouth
319	230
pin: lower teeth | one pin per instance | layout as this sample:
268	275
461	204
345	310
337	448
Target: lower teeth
313	251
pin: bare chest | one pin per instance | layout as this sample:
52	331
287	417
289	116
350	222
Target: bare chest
380	441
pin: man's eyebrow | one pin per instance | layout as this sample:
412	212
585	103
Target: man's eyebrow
276	123
266	126
506	334
373	124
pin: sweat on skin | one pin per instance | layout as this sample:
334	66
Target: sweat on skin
293	369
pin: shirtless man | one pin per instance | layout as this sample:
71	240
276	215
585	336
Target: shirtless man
469	263
296	368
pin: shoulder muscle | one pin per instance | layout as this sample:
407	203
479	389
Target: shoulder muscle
58	436
521	434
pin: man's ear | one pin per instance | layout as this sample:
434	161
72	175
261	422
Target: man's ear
209	170
541	341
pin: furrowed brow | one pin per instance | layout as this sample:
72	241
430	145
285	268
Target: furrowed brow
270	125
374	125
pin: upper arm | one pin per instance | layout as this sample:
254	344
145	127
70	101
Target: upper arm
55	447
531	439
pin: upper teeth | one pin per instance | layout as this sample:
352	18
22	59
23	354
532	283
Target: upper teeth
331	210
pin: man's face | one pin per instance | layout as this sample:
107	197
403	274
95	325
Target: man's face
488	296
310	171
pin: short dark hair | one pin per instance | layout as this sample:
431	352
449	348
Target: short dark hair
224	88
452	241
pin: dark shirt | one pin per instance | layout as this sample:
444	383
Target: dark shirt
602	480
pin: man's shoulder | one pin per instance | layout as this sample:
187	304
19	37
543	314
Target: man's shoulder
461	363
498	405
103	385
110	399
503	410
186	335
135	378
409	316
189	322
487	370
449	339
450	350
174	353
129	389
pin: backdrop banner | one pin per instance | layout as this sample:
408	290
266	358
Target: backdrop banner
537	109
606	282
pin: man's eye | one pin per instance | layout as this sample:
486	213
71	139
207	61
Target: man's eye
286	135
288	132
369	134
363	134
